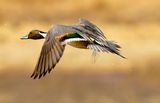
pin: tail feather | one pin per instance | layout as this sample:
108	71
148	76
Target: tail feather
114	48
110	47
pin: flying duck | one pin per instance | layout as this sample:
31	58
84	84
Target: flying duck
84	35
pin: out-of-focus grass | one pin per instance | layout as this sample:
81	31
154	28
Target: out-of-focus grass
114	11
86	87
134	25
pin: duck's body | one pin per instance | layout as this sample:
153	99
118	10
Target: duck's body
74	40
79	44
84	35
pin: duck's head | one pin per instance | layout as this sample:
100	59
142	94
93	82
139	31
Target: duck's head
34	34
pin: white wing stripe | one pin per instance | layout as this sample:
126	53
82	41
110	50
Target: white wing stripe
71	40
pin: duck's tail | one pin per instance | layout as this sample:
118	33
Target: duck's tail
110	46
114	48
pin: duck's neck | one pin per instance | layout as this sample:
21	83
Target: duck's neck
43	34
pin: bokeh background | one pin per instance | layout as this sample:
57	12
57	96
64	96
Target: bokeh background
134	24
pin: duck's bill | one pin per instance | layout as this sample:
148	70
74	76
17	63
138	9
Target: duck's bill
24	37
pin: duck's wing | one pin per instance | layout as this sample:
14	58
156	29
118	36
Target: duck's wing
90	31
90	26
51	52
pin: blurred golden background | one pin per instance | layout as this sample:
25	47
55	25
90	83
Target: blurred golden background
135	25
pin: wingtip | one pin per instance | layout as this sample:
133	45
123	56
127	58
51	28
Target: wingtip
33	76
39	77
44	74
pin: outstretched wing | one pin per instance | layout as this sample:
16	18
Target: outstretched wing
51	52
90	32
90	26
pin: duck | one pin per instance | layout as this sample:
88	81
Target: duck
83	35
